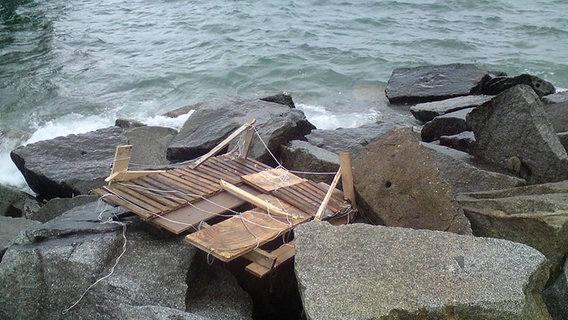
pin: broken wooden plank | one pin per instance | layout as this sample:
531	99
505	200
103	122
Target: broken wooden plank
271	180
261	257
323	205
122	157
283	254
130	175
251	198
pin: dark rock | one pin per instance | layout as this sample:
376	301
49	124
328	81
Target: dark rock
556	107
216	119
149	146
535	215
556	296
462	141
563	138
398	184
513	128
361	271
432	83
70	165
429	110
445	125
155	313
51	266
16	203
495	84
303	156
348	139
57	206
128	123
282	98
10	228
464	175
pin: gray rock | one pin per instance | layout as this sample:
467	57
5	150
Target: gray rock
16	203
512	131
534	215
348	139
445	125
372	272
305	157
563	138
70	165
556	296
10	228
432	83
556	107
558	97
464	175
57	206
128	123
398	184
216	119
149	146
156	313
462	141
51	265
495	84
281	98
429	110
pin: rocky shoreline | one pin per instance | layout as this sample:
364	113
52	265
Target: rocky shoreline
463	213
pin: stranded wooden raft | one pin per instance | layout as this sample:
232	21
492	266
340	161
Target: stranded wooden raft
183	200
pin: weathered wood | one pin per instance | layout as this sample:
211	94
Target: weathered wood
251	198
244	147
283	254
323	205
270	180
347	177
130	175
222	144
261	257
122	156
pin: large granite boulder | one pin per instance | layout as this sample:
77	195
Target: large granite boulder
432	83
361	271
462	141
398	184
445	125
534	215
464	175
48	273
512	131
10	229
305	157
429	110
149	146
215	119
348	139
16	203
556	107
70	165
494	84
556	296
58	206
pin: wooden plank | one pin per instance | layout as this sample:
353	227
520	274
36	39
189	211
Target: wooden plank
283	254
205	178
347	177
223	144
171	195
130	175
110	197
287	195
213	172
251	198
317	194
323	205
244	147
190	184
139	198
302	196
152	195
190	192
270	180
179	192
122	156
261	257
227	166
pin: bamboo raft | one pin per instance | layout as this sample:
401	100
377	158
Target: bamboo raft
185	199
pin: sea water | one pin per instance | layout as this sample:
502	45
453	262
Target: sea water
72	66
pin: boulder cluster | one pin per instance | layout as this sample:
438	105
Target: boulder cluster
463	212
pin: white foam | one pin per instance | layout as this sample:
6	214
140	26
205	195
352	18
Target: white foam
9	173
69	124
324	119
163	121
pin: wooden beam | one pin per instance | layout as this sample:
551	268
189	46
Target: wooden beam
129	175
261	257
244	147
323	204
121	158
347	177
238	192
223	144
284	253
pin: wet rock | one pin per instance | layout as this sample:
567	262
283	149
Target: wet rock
495	84
556	296
563	138
534	215
462	141
348	139
432	83
216	119
128	123
399	184
149	146
513	128
52	264
556	107
397	273
464	175
10	228
70	165
16	203
429	110
303	156
282	98
445	125
57	206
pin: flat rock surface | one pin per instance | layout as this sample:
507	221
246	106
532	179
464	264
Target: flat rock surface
514	126
432	83
372	272
429	110
149	146
398	184
304	157
10	228
69	165
444	125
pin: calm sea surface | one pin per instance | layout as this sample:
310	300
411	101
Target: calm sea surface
71	66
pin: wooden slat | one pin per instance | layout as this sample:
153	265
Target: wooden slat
218	175
251	198
261	257
269	180
149	194
165	193
283	254
130	175
206	179
122	156
132	199
180	192
323	205
191	184
140	198
317	194
188	191
226	167
287	195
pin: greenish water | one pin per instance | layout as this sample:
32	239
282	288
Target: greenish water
71	66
